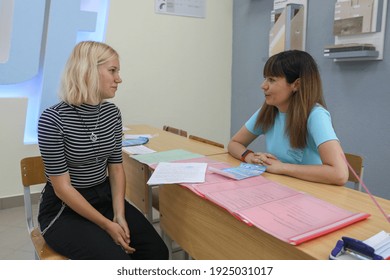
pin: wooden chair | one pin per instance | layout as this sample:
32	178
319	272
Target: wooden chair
175	130
207	141
356	163
32	171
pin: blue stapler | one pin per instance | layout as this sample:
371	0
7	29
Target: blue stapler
352	249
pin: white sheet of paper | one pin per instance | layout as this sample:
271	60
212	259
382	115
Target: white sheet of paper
381	243
138	150
171	173
135	136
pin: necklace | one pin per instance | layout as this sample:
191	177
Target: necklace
93	137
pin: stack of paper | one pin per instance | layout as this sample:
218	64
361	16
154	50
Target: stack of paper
381	244
171	173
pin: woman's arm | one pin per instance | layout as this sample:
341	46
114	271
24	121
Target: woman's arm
118	185
118	188
239	143
333	169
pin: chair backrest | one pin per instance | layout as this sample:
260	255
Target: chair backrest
175	130
207	141
33	173
356	162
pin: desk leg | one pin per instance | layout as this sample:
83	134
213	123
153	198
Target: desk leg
169	242
149	211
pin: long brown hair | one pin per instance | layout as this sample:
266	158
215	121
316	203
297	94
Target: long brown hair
293	65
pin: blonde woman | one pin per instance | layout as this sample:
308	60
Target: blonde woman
83	213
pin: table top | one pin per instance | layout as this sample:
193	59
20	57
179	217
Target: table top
164	141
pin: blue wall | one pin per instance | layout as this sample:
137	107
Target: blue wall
357	93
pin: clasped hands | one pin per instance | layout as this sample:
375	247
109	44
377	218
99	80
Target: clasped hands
261	158
273	164
120	233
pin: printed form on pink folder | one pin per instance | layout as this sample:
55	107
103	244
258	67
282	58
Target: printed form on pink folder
287	214
211	177
237	195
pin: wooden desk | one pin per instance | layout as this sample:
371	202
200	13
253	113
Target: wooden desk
206	231
137	174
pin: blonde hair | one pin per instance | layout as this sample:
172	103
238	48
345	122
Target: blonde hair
80	79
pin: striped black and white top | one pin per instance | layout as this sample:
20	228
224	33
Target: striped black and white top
64	138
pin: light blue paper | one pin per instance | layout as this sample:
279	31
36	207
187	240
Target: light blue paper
245	170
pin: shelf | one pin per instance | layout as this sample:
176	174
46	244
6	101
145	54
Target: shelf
359	23
353	54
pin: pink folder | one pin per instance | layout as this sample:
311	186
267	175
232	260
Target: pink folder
285	213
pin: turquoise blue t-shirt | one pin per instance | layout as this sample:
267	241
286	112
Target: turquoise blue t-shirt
320	130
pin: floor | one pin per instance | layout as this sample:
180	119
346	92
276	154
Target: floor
15	243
